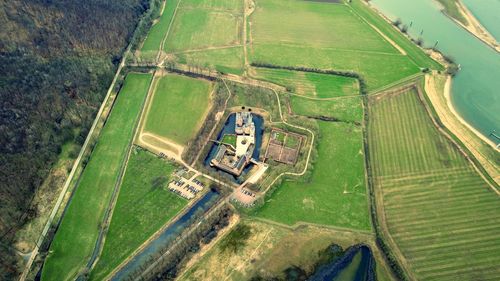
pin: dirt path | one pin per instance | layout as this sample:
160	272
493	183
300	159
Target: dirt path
178	148
401	50
76	164
162	44
251	255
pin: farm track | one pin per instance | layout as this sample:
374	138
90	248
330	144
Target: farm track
74	168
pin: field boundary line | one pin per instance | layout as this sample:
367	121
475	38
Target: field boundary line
188	230
396	85
108	215
299	224
76	164
162	44
337	49
205	49
389	40
155	235
453	141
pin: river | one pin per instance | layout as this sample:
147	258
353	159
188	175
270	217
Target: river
476	88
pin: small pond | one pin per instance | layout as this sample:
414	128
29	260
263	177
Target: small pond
357	263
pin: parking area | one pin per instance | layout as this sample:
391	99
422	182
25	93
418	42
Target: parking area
186	185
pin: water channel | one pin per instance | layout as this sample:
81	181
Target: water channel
164	239
476	88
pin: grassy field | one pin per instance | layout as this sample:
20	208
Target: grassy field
335	193
222	5
377	69
158	31
309	84
202	28
413	51
77	234
323	38
178	107
346	109
228	60
269	250
143	206
442	215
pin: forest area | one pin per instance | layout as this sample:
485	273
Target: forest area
57	59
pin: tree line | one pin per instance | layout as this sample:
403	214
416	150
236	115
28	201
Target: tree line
58	58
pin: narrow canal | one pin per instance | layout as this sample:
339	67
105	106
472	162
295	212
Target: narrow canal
166	237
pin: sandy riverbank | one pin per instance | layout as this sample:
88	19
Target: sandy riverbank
474	27
438	90
447	95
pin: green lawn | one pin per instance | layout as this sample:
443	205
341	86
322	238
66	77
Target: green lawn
200	28
442	215
178	107
336	193
292	141
345	109
75	239
229	139
144	205
308	83
158	31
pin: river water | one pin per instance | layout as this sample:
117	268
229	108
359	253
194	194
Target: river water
476	88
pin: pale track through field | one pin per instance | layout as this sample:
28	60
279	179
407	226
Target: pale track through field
76	164
251	255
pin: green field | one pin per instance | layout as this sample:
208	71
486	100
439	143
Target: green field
308	83
76	236
158	31
178	107
331	36
335	193
228	60
144	205
202	28
222	5
442	215
413	51
345	109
